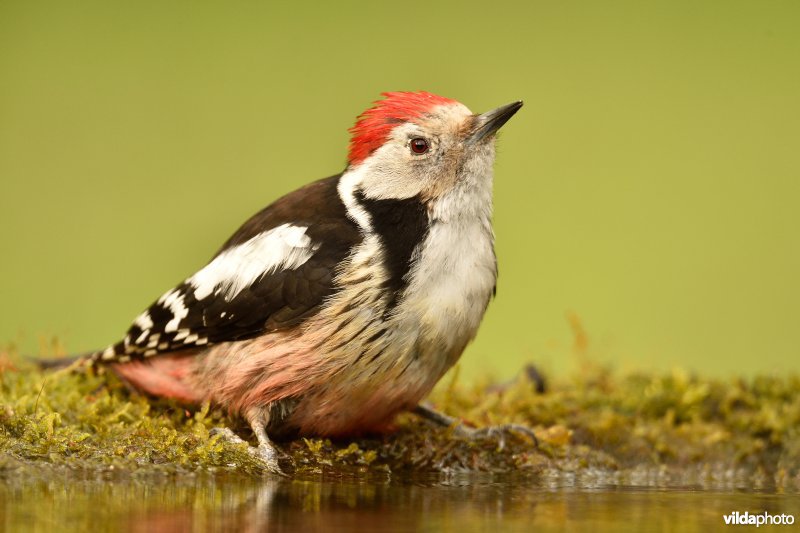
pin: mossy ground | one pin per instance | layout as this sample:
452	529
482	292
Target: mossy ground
595	427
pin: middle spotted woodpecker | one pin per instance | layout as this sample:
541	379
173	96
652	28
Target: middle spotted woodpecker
344	302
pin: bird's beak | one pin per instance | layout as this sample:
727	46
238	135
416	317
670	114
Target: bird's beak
491	121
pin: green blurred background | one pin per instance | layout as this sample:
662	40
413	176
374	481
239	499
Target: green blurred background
649	186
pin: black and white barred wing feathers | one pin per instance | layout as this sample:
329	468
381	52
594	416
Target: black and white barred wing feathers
270	275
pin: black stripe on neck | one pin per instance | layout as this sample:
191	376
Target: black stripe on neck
402	225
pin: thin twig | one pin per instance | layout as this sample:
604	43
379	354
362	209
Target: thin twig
36	405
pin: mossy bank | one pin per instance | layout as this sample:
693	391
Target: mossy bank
596	427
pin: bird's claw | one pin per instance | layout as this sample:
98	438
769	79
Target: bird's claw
266	453
227	435
498	433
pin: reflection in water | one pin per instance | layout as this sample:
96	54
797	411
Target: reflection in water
46	502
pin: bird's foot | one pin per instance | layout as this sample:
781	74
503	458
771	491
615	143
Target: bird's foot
265	452
227	435
498	433
268	454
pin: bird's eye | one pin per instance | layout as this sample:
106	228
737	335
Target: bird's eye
419	145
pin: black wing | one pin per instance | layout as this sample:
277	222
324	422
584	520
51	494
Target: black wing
249	295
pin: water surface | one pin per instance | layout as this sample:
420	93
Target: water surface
67	502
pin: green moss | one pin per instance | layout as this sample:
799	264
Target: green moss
594	425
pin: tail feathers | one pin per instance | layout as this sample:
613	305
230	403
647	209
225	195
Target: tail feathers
48	363
115	353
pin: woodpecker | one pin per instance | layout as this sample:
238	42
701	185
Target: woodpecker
342	303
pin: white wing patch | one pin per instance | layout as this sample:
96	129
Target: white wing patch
283	247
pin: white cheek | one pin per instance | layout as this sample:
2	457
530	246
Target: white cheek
389	174
392	171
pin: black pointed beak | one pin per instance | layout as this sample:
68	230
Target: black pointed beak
491	121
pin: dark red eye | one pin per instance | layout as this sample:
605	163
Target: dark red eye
419	145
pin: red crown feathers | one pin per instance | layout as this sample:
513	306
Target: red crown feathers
373	126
